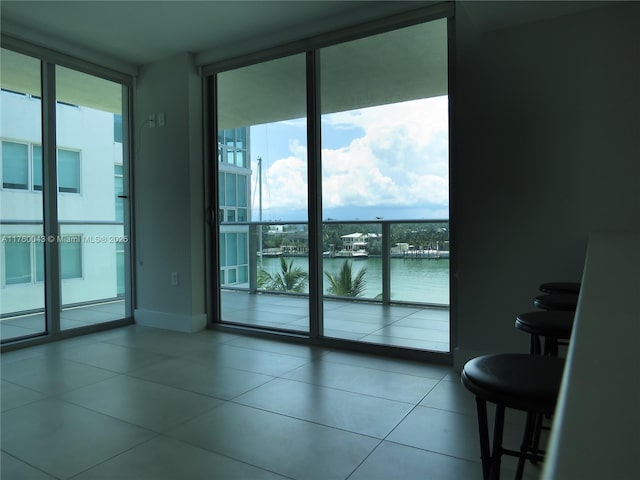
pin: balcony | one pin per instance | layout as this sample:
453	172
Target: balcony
405	300
92	276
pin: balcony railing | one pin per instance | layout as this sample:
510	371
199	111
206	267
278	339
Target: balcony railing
404	261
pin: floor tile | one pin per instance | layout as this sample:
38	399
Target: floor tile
276	346
164	458
439	431
432	314
344	325
452	433
158	341
213	380
388	364
331	333
427	345
16	331
146	404
288	446
423	323
336	408
112	357
13	469
52	374
81	315
367	381
266	363
451	396
13	395
413	333
64	439
392	461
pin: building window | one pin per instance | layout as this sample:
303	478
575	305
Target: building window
232	147
234	197
68	171
234	258
117	128
15	165
22	168
24	260
36	171
17	261
230	198
71	257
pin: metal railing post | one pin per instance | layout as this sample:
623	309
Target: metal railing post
386	263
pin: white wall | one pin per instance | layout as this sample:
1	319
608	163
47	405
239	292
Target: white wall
547	150
168	186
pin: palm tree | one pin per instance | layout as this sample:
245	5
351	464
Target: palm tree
289	279
344	285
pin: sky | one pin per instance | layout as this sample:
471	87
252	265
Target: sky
389	161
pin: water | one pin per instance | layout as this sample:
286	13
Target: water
417	280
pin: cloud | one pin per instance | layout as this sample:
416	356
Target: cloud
397	157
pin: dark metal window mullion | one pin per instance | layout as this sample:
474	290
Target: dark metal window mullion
51	229
314	179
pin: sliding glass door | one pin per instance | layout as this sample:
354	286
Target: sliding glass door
65	235
21	209
332	189
261	177
91	201
385	186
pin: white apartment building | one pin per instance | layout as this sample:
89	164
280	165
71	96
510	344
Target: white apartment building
234	195
90	178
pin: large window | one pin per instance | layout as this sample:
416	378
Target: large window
349	188
22	296
91	223
249	162
73	157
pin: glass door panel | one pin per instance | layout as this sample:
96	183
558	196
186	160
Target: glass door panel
385	161
262	195
21	206
91	204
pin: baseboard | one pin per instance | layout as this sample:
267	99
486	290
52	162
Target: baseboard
170	321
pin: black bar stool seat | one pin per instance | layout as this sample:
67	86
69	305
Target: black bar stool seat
520	381
560	287
557	301
552	325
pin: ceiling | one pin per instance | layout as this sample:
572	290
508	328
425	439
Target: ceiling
141	32
129	34
392	67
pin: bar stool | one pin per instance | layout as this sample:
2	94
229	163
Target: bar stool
560	287
557	301
529	383
554	326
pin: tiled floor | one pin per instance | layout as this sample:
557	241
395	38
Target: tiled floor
70	317
424	328
421	327
140	403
